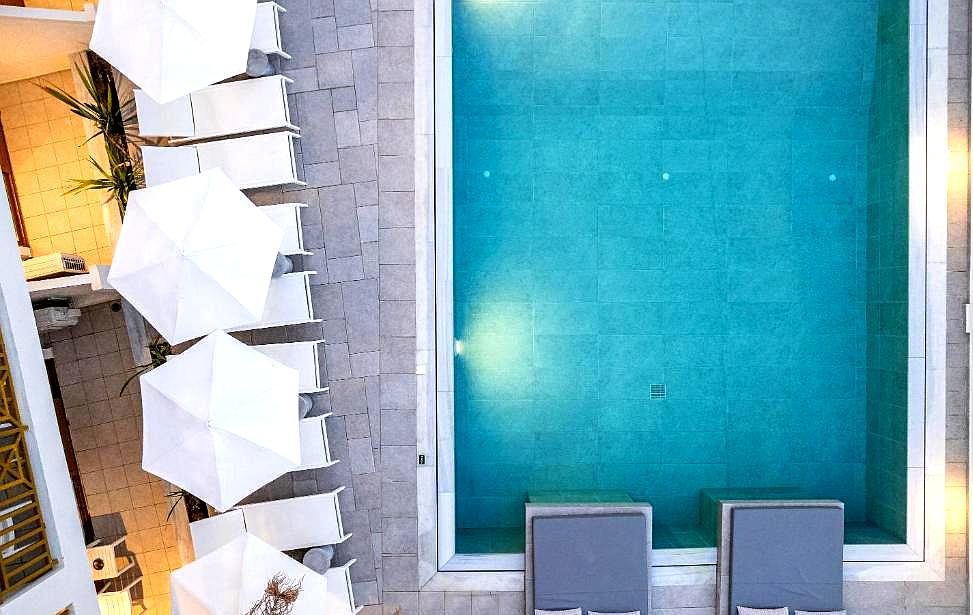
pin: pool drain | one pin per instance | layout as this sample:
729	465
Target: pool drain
657	391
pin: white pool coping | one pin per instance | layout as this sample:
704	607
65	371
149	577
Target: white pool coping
922	558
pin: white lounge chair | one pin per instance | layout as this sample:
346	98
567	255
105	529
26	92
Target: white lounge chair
119	602
224	109
302	356
341	597
266	29
288	302
288	217
295	523
315	448
255	161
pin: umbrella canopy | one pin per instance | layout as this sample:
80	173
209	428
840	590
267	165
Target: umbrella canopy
170	48
195	255
231	579
220	420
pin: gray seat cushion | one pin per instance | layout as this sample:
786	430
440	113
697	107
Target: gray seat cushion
595	562
787	557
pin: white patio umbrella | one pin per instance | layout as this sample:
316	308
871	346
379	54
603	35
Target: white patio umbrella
220	420
195	255
170	48
231	579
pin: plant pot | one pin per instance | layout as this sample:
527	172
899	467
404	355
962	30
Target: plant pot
196	509
111	217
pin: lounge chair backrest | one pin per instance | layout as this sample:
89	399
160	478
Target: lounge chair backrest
220	110
255	161
288	217
301	356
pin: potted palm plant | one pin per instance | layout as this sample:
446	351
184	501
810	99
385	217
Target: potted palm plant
117	172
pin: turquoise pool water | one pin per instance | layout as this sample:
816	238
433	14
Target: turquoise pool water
705	196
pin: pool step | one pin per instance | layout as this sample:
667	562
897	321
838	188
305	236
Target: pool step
578	497
709	503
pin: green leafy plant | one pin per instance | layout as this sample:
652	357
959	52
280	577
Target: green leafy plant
159	351
113	121
118	183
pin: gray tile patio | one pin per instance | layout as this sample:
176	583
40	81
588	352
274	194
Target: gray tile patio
358	224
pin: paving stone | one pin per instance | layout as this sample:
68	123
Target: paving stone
365	364
297	37
396	65
305	80
345	269
335	69
365	62
322	174
368	223
373	394
319	140
357	164
511	603
400	603
326	301
398	318
399	463
361	309
340	217
400	573
398	391
398	355
397	246
338	361
313	236
398	427
335	330
351	12
343	99
485	604
432	603
360	456
369	132
396	137
366	193
395	101
395	5
396	209
346	127
458	603
366	593
396	173
356	425
368	491
321	8
348	396
369	254
398	283
356	37
396	28
325	35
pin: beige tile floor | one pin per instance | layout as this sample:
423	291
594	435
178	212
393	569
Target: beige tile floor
47	150
92	361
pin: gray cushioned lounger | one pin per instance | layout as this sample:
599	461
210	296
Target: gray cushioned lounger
787	556
596	562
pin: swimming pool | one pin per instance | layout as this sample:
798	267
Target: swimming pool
680	242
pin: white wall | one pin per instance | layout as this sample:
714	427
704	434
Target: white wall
37	42
70	583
